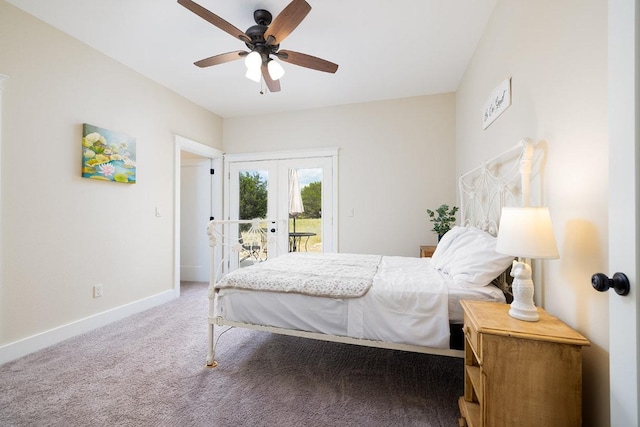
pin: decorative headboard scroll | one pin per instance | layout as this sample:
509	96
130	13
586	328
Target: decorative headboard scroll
504	180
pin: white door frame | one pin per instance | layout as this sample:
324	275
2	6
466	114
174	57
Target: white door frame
624	169
2	79
184	144
295	154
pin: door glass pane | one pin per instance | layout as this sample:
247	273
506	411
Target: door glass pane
305	210
253	196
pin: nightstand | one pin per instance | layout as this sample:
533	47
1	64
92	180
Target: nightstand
427	251
520	373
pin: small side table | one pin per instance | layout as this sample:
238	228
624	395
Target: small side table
427	251
519	373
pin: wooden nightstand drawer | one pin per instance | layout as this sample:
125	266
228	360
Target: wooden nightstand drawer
472	336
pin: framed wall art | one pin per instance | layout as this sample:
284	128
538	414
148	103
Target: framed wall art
108	155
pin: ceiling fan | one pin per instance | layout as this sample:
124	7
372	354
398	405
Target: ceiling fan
263	40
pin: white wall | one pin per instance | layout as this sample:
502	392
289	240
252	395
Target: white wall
556	53
396	160
62	233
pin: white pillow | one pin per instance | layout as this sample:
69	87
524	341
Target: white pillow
441	256
469	256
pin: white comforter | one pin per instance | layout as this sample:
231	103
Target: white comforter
406	303
316	274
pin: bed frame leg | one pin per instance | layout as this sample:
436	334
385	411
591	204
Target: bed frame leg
211	363
212	292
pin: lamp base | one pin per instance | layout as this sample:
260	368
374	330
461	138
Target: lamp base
524	314
522	307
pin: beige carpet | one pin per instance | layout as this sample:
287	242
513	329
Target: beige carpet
148	370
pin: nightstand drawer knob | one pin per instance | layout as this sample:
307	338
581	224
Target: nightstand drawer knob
619	282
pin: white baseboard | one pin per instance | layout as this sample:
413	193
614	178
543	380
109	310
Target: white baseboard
194	273
53	336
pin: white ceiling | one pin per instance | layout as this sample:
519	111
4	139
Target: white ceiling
385	49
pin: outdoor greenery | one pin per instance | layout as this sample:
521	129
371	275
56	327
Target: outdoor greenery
253	196
443	218
253	204
312	200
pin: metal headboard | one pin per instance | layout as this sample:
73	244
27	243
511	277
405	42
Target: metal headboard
502	181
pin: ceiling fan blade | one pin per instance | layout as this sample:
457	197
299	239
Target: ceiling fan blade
273	85
307	61
214	19
287	21
221	59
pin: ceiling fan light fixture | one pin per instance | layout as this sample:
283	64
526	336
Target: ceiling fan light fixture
254	74
263	40
253	61
275	70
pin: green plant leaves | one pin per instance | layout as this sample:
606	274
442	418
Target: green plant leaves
443	218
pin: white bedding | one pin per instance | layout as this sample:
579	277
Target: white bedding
409	302
316	274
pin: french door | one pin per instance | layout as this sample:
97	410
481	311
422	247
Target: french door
252	186
268	188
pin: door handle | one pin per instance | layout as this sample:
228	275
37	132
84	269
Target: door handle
619	282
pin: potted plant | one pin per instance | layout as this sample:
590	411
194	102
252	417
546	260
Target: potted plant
443	219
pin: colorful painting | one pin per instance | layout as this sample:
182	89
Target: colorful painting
108	155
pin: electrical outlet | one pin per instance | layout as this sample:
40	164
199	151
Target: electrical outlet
97	290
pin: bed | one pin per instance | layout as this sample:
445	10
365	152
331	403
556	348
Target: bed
403	303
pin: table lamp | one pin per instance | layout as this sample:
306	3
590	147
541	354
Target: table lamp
525	233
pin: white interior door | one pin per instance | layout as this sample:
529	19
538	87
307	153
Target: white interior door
623	209
195	210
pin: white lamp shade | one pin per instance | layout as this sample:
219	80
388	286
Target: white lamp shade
253	61
254	74
275	70
527	233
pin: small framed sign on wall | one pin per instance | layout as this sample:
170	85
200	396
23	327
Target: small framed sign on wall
498	101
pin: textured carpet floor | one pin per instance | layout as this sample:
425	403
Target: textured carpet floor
148	370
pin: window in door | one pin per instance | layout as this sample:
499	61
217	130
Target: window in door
251	189
305	208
